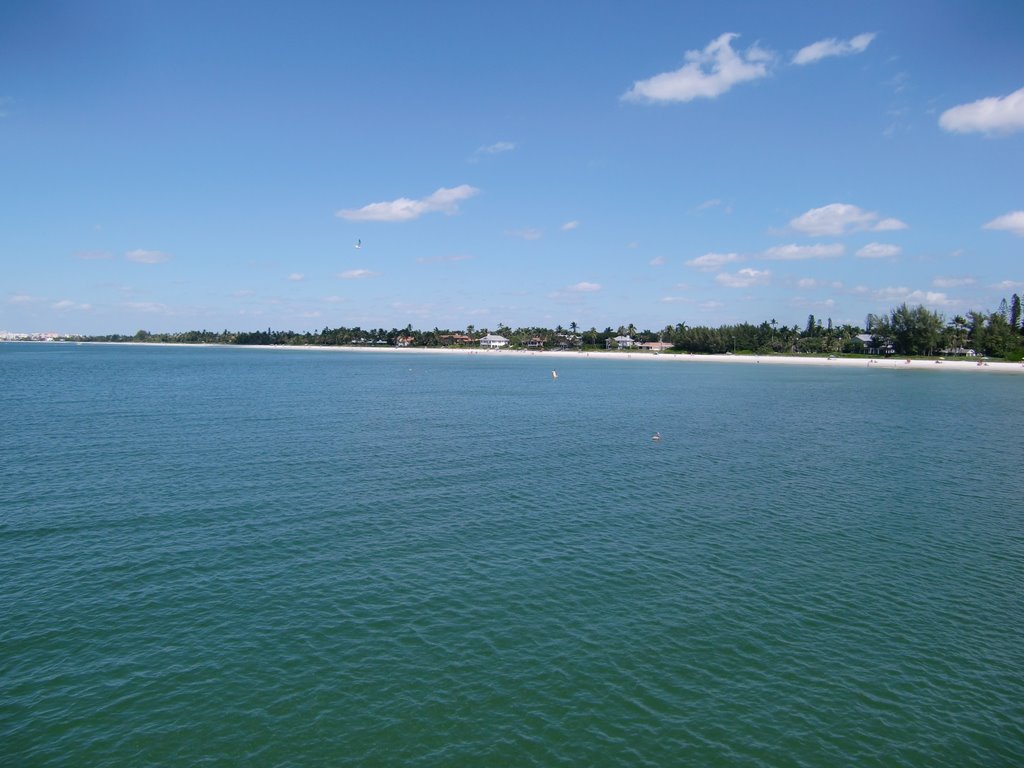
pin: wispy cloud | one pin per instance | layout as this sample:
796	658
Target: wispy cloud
93	255
879	251
1010	222
902	294
794	252
707	204
952	282
525	234
497	148
23	298
296	277
146	306
584	287
657	261
570	225
744	278
810	282
444	200
357	274
992	116
841	219
709	262
68	305
140	256
442	259
706	74
833	47
889	225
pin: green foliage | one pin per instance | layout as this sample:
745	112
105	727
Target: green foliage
904	330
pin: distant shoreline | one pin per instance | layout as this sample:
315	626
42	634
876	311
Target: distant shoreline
890	363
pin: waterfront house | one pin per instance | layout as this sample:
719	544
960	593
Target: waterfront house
493	341
656	346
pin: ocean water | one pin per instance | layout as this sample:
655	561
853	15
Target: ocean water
215	556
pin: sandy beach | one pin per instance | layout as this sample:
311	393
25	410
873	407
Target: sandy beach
892	363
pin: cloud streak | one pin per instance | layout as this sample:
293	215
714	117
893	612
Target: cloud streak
794	252
745	278
879	251
140	256
824	49
837	219
444	200
709	262
707	74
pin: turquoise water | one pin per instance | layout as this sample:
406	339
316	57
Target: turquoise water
218	556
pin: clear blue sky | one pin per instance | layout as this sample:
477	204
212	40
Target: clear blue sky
186	165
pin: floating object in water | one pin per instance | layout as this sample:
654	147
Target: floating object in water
554	374
657	437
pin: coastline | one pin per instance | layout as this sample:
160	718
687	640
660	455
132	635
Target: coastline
897	363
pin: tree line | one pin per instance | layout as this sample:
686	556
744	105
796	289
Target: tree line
904	330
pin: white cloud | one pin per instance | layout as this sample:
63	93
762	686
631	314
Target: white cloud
879	251
707	204
140	256
23	298
584	287
712	261
711	305
1011	222
991	116
841	219
442	259
1009	285
888	225
675	300
952	282
657	261
793	252
833	47
902	294
810	282
570	225
744	278
67	305
146	306
496	148
525	234
296	277
444	200
707	74
356	274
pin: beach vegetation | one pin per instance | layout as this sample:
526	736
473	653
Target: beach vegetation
905	330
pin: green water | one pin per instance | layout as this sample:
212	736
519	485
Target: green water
293	558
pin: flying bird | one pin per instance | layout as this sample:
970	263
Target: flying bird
359	244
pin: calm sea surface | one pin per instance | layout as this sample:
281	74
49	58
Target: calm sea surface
216	556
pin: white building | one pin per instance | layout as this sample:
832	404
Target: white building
493	341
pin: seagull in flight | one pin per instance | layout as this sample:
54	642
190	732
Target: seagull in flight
359	244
